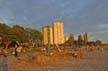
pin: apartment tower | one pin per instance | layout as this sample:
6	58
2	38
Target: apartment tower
58	32
47	35
87	37
80	38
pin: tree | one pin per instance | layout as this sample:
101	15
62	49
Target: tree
18	33
98	42
75	43
70	40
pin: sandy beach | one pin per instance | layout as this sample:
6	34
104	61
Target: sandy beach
96	60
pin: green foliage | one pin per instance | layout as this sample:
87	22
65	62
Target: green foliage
75	42
19	33
92	43
70	41
98	42
34	34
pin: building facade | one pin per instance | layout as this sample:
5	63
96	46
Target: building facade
87	37
53	34
47	35
58	32
80	38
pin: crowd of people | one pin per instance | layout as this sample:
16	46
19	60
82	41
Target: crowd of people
14	48
8	51
17	48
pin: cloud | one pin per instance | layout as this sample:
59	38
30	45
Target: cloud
101	26
2	21
101	35
101	32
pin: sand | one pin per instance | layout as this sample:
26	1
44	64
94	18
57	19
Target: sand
96	60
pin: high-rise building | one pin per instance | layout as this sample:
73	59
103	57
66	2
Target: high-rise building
58	32
80	37
54	34
87	37
47	35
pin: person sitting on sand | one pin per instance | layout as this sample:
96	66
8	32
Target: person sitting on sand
4	51
18	50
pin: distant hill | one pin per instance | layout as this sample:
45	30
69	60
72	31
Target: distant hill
19	33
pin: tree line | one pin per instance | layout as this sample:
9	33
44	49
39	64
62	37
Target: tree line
19	33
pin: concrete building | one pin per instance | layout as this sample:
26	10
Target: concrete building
53	34
87	37
47	35
80	37
58	32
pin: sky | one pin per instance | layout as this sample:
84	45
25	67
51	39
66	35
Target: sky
78	16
